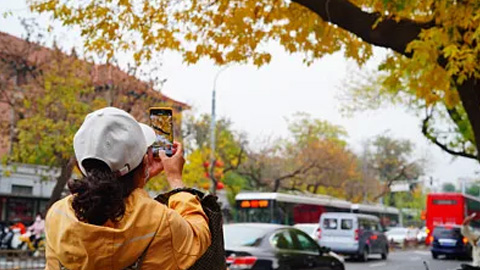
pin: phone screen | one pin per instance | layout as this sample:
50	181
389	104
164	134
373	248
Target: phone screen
161	120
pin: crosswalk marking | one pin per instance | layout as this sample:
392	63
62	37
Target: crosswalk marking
422	252
377	264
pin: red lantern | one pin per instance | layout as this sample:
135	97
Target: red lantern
206	164
220	185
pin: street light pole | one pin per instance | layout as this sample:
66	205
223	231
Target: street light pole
213	188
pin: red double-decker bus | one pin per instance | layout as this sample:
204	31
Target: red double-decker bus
449	209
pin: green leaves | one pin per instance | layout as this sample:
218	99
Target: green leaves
305	130
53	111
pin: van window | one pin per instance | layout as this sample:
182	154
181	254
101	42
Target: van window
347	224
330	223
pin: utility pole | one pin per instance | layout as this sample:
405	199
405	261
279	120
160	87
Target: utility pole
365	170
213	188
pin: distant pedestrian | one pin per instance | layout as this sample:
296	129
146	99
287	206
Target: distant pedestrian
109	221
38	226
37	229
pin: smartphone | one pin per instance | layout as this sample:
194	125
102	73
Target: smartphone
161	120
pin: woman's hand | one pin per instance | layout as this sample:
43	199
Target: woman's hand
468	219
173	166
155	165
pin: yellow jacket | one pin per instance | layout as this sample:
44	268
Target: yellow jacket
180	235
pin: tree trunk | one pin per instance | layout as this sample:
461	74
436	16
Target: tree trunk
62	180
469	93
276	185
389	32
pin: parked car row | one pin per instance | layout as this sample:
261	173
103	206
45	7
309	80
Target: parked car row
400	236
317	245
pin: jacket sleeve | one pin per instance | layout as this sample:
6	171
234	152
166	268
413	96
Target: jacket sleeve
189	229
471	236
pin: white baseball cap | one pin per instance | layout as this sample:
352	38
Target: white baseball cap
114	137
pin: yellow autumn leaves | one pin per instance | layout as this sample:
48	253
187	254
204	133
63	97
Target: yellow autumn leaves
240	31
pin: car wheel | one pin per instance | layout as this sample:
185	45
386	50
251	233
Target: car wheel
385	253
338	267
434	255
364	255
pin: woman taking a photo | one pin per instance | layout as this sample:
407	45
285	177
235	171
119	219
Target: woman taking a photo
109	221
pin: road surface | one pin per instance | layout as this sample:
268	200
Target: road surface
404	260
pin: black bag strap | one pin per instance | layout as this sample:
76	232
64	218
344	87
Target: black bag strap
164	197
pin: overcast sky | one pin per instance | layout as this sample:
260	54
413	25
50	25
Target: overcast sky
258	100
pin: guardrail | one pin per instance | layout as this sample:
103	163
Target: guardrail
21	260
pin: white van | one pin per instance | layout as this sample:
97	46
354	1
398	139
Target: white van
352	234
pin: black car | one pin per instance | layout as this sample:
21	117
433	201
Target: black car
269	247
449	241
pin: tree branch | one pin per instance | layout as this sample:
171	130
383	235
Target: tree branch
239	158
388	33
389	182
298	171
434	140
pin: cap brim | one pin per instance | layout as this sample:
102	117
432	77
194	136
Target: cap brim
148	133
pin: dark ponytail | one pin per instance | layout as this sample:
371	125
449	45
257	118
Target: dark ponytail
99	196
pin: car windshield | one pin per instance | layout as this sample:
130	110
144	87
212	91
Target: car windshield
237	236
446	232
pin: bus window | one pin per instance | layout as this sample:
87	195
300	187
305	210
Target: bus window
283	213
444	202
254	215
364	224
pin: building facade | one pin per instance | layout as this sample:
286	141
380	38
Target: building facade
25	191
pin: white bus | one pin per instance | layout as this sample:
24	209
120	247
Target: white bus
282	208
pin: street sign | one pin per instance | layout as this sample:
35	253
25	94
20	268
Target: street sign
399	187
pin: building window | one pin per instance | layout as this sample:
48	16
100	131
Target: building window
20	210
22	190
